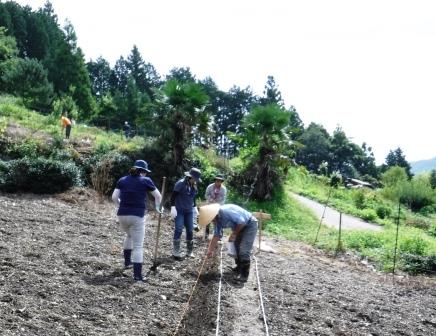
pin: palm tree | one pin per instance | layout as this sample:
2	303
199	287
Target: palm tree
181	111
267	129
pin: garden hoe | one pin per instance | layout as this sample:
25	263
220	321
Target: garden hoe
155	263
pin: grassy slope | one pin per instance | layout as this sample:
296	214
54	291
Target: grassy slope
378	246
12	111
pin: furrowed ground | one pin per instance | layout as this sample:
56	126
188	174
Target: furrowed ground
60	274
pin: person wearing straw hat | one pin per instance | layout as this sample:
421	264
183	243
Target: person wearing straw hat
130	195
215	193
244	229
183	209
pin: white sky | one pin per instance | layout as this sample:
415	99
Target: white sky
368	66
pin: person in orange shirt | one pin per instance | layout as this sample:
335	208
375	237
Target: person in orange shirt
66	123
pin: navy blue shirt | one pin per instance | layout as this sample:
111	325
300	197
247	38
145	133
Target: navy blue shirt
184	195
133	195
229	216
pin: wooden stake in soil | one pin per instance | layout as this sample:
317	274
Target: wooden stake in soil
339	248
155	265
396	241
323	214
260	230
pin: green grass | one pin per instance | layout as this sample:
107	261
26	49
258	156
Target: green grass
289	219
417	234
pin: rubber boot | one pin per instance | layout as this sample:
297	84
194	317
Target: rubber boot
176	249
244	271
237	268
137	272
190	248
127	259
206	232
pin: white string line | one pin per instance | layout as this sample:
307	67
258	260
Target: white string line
219	293
260	295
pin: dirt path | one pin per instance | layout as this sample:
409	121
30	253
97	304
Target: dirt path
331	216
60	274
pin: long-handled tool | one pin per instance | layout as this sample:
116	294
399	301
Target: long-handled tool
155	263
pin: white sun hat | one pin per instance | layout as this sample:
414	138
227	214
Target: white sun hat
207	213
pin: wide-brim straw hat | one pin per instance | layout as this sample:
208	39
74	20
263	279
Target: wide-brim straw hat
207	213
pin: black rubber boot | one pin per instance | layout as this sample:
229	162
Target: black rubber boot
127	259
176	250
190	248
207	231
237	268
245	270
137	272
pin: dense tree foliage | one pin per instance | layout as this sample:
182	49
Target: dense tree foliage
27	78
41	40
397	158
432	178
315	149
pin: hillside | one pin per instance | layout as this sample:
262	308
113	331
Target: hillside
423	166
60	274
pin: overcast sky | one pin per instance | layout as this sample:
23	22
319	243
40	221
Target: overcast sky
367	66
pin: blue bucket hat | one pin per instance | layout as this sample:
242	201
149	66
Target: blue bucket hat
141	164
195	173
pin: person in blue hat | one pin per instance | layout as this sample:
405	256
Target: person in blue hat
183	209
130	195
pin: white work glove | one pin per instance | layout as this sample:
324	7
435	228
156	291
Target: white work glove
195	210
173	212
157	208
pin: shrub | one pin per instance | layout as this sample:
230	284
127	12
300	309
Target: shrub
432	230
105	170
40	176
362	240
383	211
359	199
416	264
416	194
335	179
368	214
417	222
428	210
414	245
29	147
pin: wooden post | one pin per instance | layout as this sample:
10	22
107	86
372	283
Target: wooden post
339	247
260	230
260	216
396	242
154	266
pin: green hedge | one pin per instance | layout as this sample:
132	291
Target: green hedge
38	175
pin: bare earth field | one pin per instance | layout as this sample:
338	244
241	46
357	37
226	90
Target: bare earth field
61	274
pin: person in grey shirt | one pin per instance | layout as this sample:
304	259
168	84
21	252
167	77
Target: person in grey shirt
244	230
215	193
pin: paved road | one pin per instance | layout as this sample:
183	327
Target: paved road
331	216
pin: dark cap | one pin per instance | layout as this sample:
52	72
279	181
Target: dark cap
195	173
141	164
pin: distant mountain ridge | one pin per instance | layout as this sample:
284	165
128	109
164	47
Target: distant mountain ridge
422	166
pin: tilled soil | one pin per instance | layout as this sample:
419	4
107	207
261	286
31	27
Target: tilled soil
61	274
